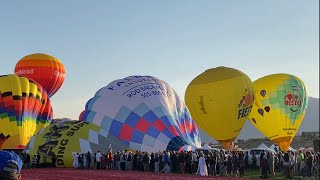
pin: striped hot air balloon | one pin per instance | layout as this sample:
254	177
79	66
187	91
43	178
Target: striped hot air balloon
44	69
24	110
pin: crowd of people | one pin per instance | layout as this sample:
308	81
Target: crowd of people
217	163
204	163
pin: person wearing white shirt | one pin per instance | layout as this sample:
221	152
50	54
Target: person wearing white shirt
98	159
75	160
202	166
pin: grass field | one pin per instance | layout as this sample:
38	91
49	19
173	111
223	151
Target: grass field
255	173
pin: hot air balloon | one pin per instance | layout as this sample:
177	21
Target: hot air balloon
220	100
44	69
144	113
62	141
279	111
24	109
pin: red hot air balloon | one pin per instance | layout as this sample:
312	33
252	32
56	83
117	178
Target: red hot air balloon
44	69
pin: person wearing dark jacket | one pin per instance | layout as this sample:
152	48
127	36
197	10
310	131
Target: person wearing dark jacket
181	162
264	167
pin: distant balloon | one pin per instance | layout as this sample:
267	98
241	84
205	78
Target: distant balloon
62	141
24	110
285	103
144	113
44	69
220	100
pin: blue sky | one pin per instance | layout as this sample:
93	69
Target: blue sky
100	41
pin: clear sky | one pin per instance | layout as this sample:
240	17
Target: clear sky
102	40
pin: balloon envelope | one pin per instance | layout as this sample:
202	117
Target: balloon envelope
279	111
62	141
44	69
144	113
220	100
24	109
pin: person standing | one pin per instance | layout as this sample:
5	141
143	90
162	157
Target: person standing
110	160
242	164
264	167
270	157
88	157
156	162
202	166
300	162
75	160
181	162
98	159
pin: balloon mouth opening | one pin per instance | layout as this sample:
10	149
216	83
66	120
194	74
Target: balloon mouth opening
227	144
283	142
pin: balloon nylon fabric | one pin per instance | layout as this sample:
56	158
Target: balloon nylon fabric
144	112
24	110
280	104
220	100
44	69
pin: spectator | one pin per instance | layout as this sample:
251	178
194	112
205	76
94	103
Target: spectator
241	164
110	160
166	168
286	165
98	159
34	161
76	160
202	166
264	167
156	162
146	161
88	157
270	158
10	166
181	162
300	162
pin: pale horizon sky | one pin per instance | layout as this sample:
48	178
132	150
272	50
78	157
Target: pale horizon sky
100	41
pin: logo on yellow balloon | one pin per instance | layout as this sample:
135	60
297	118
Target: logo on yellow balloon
245	104
293	99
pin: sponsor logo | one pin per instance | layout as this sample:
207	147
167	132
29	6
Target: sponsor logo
59	74
245	104
293	99
24	71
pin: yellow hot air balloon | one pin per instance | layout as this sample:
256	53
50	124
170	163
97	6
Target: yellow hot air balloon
220	100
24	110
62	141
279	107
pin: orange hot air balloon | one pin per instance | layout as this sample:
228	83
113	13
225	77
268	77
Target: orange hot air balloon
44	69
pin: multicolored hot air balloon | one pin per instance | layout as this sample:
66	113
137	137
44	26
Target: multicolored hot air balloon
24	109
279	107
62	141
44	69
144	113
220	100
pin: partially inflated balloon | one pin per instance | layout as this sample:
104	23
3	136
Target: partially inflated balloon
220	100
44	69
24	109
279	107
62	141
144	113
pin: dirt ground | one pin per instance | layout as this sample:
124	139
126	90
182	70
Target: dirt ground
84	174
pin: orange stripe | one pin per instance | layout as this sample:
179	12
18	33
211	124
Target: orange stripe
37	62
